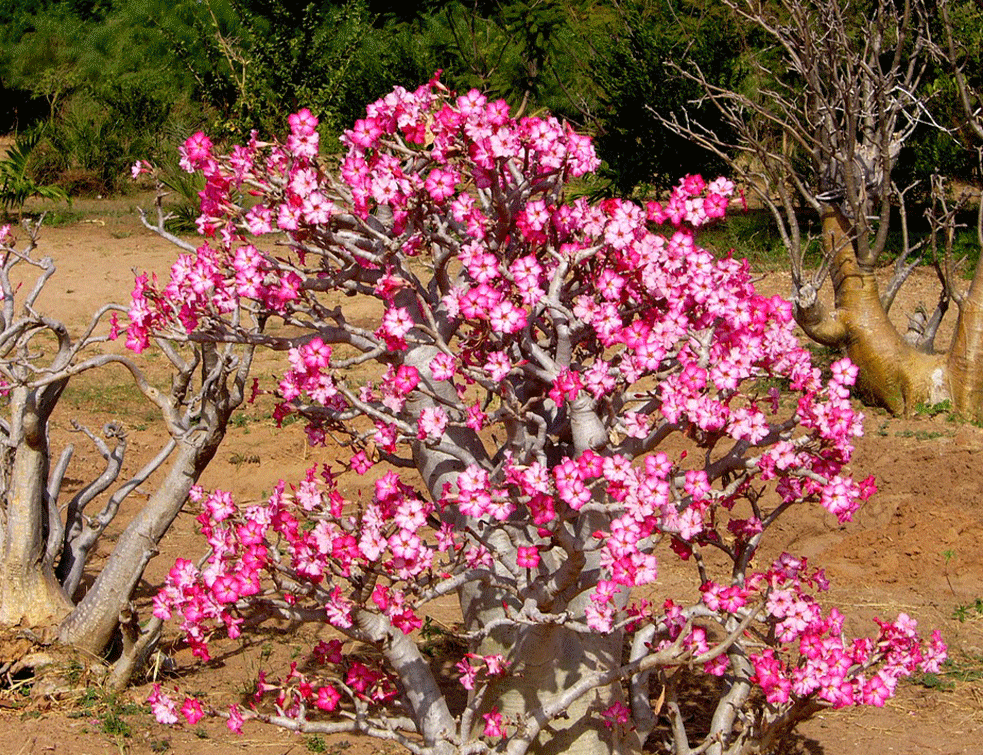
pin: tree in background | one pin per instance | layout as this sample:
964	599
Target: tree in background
533	52
841	92
105	105
635	81
118	81
255	60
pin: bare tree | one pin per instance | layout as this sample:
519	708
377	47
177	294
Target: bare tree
46	537
844	94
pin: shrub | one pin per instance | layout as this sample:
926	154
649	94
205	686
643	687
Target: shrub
581	394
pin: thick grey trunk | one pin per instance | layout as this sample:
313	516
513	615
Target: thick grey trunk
94	621
548	659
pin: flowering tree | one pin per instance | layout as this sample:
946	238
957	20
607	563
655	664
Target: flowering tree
564	393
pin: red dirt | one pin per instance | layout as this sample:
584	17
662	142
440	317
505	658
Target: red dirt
913	548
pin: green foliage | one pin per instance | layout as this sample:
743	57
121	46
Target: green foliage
16	185
100	133
753	234
923	434
184	206
934	410
633	66
533	53
121	80
109	712
39	55
943	142
106	98
953	672
115	397
968	611
256	61
114	725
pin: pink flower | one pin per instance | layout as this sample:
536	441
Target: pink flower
505	317
406	379
469	673
934	655
568	337
498	366
566	386
433	420
493	724
442	366
693	185
259	220
615	714
195	152
163	707
528	557
235	720
226	589
327	698
441	184
302	122
495	665
139	168
475	417
877	690
361	463
844	371
365	133
192	710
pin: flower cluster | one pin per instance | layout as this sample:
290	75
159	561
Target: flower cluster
828	666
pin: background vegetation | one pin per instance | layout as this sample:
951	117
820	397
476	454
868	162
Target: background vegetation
114	81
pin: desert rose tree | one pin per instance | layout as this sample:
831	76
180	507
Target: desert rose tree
552	400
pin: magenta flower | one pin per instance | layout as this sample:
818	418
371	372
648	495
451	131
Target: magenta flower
493	724
327	698
191	710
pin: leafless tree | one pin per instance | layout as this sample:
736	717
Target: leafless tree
843	95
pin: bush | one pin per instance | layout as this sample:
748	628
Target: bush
582	393
16	183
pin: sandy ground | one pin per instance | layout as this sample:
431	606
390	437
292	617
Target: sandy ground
914	548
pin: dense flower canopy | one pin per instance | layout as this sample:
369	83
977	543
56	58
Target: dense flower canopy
577	384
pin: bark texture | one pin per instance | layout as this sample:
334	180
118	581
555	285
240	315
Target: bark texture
547	659
95	619
964	361
92	623
30	595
